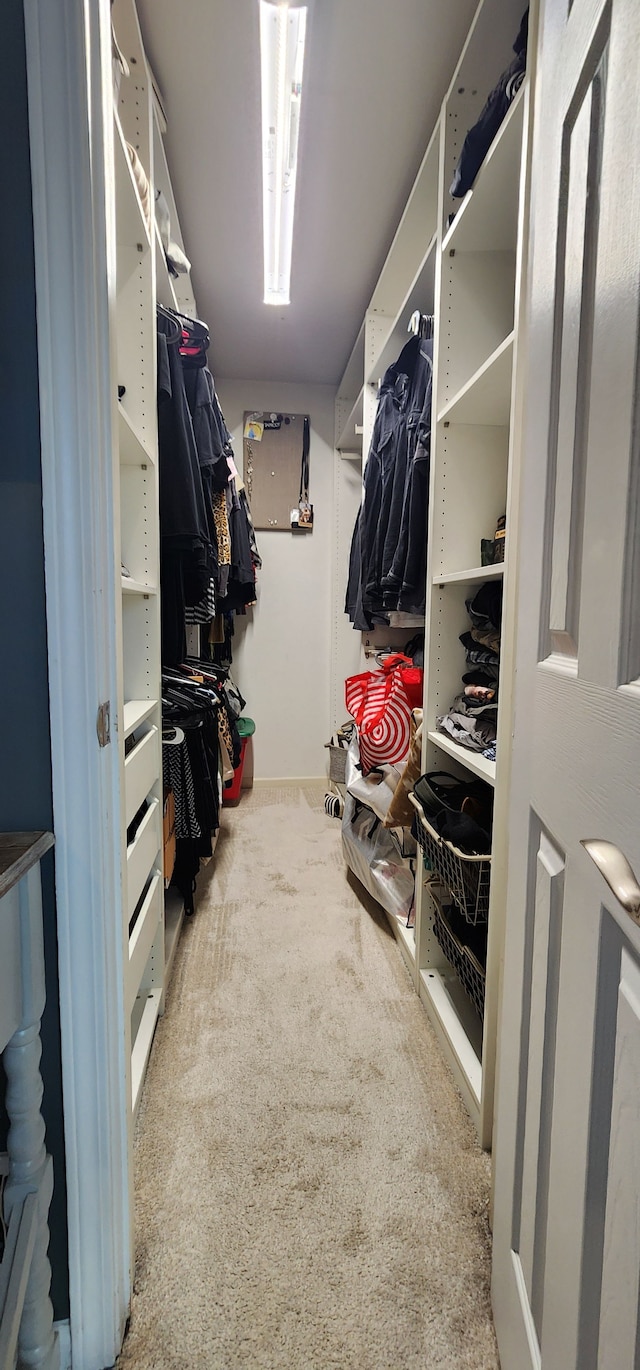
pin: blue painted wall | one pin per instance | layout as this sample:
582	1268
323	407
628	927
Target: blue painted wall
25	756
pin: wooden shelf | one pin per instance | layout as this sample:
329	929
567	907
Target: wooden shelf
173	920
165	291
419	296
354	370
485	399
459	1031
406	939
144	1017
415	230
136	712
132	229
487	220
134	587
474	761
477	576
349	442
131	444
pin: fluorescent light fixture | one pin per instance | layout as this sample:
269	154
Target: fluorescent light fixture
282	37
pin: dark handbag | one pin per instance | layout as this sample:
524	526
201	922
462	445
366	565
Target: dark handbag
439	790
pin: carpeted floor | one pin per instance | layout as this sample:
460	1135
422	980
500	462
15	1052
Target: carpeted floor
310	1193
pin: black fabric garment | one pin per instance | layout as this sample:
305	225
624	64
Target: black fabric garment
194	708
353	605
210	437
178	776
485	611
183	515
391	525
241	586
172	607
388	446
479	138
187	560
404	584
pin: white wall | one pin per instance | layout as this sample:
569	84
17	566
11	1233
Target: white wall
284	649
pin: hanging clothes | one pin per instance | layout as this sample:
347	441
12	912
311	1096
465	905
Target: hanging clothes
187	557
388	549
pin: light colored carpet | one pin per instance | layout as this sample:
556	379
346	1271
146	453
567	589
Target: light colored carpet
310	1193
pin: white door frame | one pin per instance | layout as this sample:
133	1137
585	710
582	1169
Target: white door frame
68	67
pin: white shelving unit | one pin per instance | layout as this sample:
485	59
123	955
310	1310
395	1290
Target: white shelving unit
150	930
465	271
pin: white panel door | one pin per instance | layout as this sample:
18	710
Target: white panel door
567	1141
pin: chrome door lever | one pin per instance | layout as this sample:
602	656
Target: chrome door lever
618	873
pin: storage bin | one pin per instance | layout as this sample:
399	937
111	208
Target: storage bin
169	835
231	793
141	855
469	971
467	878
141	769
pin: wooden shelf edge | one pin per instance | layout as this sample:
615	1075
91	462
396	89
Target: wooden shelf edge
121	151
125	420
141	1047
479	375
173	921
473	761
379	366
479	573
136	712
465	210
349	442
162	272
134	587
459	1051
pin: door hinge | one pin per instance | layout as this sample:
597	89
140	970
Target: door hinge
103	724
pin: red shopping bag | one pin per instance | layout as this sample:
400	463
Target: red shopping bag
381	704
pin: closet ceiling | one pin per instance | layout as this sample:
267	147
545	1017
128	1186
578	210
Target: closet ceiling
375	75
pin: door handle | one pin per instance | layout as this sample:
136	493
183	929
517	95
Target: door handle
618	873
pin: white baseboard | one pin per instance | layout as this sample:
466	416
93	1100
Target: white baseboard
64	1342
289	781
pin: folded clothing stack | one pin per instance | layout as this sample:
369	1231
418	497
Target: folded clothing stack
473	716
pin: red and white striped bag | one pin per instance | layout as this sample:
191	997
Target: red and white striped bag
381	704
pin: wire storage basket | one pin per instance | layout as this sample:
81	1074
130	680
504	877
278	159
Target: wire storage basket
468	878
469	971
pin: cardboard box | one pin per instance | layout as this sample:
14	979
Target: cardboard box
169	835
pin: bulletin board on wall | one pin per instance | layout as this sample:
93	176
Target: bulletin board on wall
272	451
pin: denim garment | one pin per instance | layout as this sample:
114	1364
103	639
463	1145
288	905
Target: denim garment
404	582
391	528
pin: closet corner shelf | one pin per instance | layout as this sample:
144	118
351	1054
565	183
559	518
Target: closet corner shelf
132	228
419	296
349	442
165	292
143	1025
474	761
406	939
478	575
134	587
132	446
485	399
487	220
136	712
173	920
454	1037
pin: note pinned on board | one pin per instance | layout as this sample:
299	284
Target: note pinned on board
254	428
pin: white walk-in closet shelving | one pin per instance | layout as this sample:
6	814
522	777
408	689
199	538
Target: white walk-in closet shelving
151	921
467	273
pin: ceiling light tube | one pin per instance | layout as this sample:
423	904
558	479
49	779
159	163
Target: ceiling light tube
282	38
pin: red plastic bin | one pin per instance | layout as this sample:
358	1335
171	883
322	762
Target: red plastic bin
231	793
